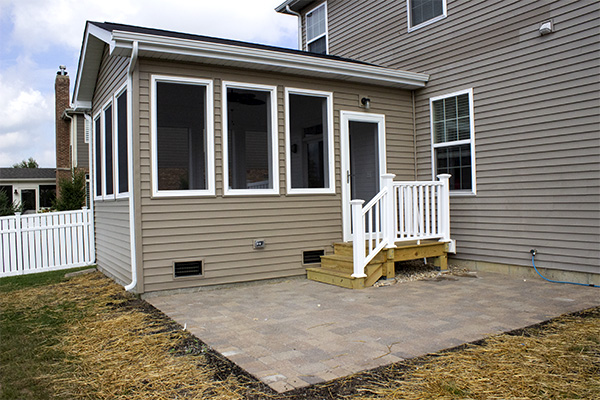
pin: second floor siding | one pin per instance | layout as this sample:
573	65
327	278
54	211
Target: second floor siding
481	32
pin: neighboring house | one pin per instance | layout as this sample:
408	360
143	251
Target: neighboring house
511	110
217	161
73	127
34	188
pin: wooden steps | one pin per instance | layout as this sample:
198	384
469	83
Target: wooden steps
337	269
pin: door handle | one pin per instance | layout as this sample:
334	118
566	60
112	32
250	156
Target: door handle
348	176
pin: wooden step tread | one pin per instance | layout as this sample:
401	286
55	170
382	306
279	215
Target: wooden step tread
334	272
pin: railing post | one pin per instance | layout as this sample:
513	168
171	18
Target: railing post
19	240
389	220
358	239
445	217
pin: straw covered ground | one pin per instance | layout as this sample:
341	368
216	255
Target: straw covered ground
110	345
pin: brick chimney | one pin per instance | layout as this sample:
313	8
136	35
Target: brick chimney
63	125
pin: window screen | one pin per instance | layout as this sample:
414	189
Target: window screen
181	136
249	139
309	160
122	142
108	150
316	30
98	155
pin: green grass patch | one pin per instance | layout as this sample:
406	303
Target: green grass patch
33	319
12	283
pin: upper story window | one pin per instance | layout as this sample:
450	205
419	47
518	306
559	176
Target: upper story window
316	30
424	12
182	137
452	137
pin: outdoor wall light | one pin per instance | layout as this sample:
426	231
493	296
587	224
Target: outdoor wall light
16	192
546	27
366	102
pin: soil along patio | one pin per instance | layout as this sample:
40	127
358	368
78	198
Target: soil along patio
296	332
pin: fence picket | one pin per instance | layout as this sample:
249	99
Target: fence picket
43	242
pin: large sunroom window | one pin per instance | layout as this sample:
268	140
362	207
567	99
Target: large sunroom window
309	142
182	139
316	30
250	139
452	132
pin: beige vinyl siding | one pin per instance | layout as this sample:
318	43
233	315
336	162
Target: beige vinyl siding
111	222
82	146
536	102
111	217
220	230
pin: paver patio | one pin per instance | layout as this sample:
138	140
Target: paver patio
296	332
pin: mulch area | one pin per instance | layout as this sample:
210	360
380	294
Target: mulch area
120	347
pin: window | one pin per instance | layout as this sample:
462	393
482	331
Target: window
87	128
121	142
250	139
108	151
452	135
47	195
309	142
424	12
7	190
316	30
182	137
98	156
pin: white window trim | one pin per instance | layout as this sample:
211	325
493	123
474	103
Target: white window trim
109	103
326	33
470	141
210	138
274	141
330	142
428	22
95	147
116	134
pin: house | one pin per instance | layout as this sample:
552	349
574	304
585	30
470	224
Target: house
217	161
33	188
519	83
72	130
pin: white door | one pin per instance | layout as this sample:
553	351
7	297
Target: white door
363	160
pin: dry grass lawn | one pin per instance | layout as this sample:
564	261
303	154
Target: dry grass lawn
107	344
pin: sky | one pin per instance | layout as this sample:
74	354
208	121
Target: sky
37	36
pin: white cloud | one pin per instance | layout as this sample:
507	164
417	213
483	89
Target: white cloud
39	24
39	35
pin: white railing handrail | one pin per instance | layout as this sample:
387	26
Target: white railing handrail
401	211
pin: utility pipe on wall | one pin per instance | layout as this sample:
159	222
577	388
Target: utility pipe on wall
288	9
132	239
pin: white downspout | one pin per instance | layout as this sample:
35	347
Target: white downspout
288	9
132	239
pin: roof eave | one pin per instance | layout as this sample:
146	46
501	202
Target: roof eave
294	5
225	54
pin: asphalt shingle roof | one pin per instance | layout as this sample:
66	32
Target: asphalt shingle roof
27	173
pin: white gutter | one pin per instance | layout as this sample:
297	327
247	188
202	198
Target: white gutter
132	239
297	14
266	59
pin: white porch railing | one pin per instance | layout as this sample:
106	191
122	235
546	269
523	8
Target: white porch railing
45	242
400	212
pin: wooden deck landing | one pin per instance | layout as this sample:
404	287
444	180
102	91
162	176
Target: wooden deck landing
337	269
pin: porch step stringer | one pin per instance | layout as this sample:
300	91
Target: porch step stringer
337	269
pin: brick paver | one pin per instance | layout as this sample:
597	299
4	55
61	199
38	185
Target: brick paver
297	332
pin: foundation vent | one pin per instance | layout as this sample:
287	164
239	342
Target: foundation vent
187	268
312	256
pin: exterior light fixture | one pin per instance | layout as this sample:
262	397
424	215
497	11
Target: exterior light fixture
16	192
546	27
366	102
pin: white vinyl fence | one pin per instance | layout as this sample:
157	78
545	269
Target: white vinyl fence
45	242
